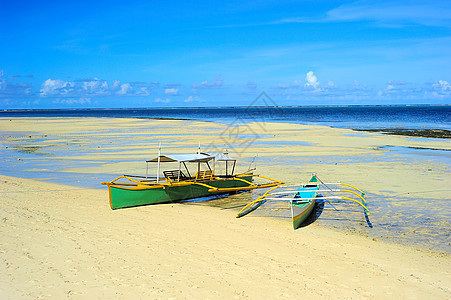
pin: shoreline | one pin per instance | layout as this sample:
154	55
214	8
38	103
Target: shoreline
226	107
395	131
179	250
409	120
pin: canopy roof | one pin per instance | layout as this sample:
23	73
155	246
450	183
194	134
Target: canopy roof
202	157
222	156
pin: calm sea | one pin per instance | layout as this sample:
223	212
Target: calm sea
357	117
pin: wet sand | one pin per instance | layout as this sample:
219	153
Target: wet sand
65	241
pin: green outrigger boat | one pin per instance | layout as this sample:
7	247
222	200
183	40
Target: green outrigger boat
178	184
302	198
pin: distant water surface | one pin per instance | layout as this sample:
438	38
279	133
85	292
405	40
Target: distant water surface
357	117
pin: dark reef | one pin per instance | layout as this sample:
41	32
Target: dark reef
427	133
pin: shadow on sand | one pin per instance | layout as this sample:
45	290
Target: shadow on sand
316	213
318	210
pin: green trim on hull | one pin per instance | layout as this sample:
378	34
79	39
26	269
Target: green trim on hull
313	179
301	218
126	197
304	209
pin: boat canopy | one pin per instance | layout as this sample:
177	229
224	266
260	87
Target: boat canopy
202	157
222	157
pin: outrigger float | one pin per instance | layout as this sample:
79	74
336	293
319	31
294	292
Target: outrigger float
178	184
302	198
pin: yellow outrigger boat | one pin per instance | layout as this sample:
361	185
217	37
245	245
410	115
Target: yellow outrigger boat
178	184
302	198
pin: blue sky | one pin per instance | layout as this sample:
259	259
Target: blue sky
75	54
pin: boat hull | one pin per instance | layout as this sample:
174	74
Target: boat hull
130	196
301	211
302	207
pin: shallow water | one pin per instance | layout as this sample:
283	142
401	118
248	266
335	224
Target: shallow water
410	223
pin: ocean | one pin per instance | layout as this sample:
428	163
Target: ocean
412	117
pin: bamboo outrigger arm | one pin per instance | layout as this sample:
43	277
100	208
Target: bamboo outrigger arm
264	197
267	194
345	184
246	181
133	182
356	201
261	198
351	186
251	186
306	199
261	176
346	191
113	181
205	185
360	196
244	188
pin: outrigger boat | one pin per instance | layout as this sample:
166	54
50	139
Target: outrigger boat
178	184
303	197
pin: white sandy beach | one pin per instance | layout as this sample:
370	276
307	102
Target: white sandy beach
61	241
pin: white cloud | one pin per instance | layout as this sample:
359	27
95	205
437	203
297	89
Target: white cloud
144	91
442	85
298	83
426	13
52	87
401	90
116	84
10	89
92	88
440	90
159	100
76	91
30	103
384	13
125	88
312	80
331	84
171	91
193	99
216	84
96	86
70	101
